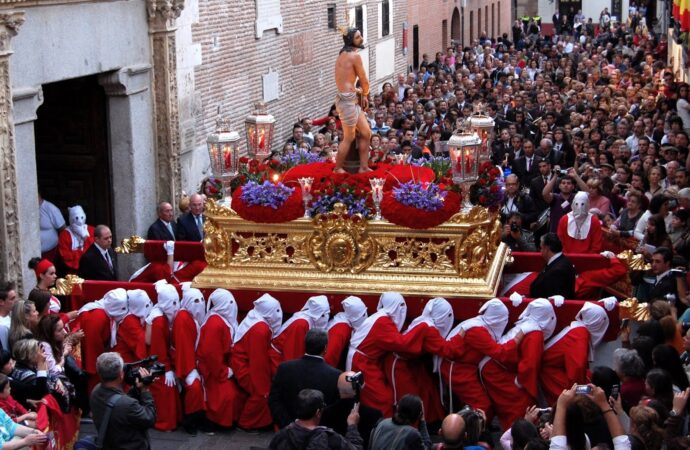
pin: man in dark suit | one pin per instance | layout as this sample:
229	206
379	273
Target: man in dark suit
526	167
309	372
558	276
546	151
501	147
665	280
163	229
190	226
335	415
536	185
98	262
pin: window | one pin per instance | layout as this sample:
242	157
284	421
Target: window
486	20
331	17
359	18
499	17
479	23
385	18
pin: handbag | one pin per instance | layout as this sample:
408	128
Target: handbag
95	442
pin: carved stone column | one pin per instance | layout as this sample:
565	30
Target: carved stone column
10	249
162	15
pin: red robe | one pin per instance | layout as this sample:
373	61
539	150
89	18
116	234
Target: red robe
251	363
338	342
71	257
96	326
411	372
131	339
593	244
462	373
224	400
369	358
167	399
184	335
509	400
565	363
289	344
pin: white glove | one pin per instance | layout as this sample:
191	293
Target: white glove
230	373
558	300
169	247
170	378
193	375
516	299
609	303
83	232
607	254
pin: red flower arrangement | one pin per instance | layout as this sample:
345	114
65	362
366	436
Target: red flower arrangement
488	190
292	209
411	217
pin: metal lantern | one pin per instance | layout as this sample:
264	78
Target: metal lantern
224	153
484	126
259	127
465	152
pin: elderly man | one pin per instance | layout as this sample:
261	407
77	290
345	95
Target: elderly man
164	228
517	201
190	226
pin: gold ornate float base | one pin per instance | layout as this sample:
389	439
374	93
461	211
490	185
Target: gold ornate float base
335	253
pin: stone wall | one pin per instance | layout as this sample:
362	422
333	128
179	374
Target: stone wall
233	62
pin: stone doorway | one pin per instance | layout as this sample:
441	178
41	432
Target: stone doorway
72	151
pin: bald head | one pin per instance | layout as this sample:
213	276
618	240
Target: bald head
345	387
452	431
196	204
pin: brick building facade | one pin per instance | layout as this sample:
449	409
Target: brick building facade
229	62
435	24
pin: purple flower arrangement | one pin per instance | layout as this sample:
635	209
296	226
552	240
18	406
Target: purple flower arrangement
350	196
298	157
265	194
424	196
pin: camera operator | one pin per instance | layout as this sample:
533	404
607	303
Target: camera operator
515	237
335	416
406	429
132	415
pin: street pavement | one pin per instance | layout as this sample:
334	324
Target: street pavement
235	440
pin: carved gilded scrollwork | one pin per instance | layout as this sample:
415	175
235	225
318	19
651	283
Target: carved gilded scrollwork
341	243
213	208
476	214
132	244
270	248
414	253
64	286
634	261
217	246
472	254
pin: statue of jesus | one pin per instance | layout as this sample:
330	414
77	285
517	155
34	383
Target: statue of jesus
349	67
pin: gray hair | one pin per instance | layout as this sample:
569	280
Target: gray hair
109	365
628	363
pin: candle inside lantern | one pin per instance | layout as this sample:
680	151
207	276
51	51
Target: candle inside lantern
468	161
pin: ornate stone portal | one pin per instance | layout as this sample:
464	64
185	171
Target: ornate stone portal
162	15
10	256
336	253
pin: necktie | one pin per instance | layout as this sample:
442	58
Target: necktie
170	230
529	163
200	226
106	255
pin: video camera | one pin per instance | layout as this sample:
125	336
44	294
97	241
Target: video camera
151	364
357	382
